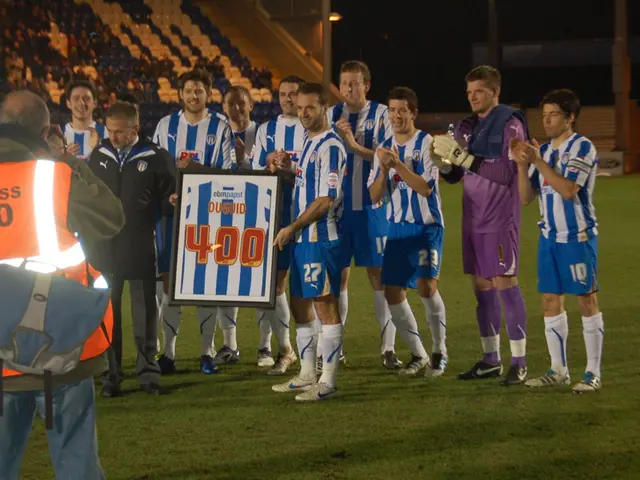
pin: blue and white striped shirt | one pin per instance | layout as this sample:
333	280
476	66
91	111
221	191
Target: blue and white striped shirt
248	137
209	142
282	133
370	127
82	138
320	173
568	220
407	205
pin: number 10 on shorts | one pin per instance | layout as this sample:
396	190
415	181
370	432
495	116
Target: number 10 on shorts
579	272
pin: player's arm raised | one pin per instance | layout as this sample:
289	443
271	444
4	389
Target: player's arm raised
568	188
280	161
343	127
378	180
526	173
415	181
501	170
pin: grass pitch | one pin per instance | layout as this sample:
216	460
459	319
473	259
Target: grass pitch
231	426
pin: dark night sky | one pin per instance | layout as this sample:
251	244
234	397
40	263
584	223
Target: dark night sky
427	45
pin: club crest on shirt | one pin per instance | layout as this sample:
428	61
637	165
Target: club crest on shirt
192	155
415	155
313	157
368	125
142	165
565	158
211	139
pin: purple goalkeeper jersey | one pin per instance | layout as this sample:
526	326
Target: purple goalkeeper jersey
491	201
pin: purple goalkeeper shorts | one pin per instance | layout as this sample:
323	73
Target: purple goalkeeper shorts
489	255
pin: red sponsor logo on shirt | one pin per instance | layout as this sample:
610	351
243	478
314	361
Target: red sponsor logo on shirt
332	180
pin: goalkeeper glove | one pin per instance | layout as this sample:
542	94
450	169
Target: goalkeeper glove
449	150
444	167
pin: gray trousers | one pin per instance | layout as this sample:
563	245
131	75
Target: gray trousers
145	330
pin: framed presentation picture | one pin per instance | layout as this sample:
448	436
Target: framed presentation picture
224	226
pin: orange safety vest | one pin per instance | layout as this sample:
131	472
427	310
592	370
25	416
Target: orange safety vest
34	203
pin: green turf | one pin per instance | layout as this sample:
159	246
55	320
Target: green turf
231	426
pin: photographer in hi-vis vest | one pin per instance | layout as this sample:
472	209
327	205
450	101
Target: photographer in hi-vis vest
47	202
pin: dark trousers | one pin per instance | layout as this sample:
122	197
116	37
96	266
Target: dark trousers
145	330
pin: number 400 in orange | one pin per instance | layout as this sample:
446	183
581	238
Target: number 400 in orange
229	243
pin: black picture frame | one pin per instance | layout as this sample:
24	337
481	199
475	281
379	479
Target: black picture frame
275	219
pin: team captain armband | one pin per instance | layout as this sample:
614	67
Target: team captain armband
579	169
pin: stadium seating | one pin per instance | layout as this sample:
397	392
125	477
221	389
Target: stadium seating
139	46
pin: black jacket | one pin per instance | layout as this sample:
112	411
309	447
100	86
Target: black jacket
144	181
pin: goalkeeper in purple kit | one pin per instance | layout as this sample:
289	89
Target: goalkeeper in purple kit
479	155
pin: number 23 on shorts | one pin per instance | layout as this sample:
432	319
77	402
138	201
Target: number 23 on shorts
428	258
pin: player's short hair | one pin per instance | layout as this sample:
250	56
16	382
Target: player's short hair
491	76
238	90
564	98
80	83
292	79
404	93
315	89
356	66
124	111
195	75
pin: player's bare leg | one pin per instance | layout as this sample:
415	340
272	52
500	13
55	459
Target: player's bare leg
407	326
326	308
436	317
280	319
307	328
593	333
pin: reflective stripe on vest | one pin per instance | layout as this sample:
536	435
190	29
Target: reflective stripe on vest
50	246
50	258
